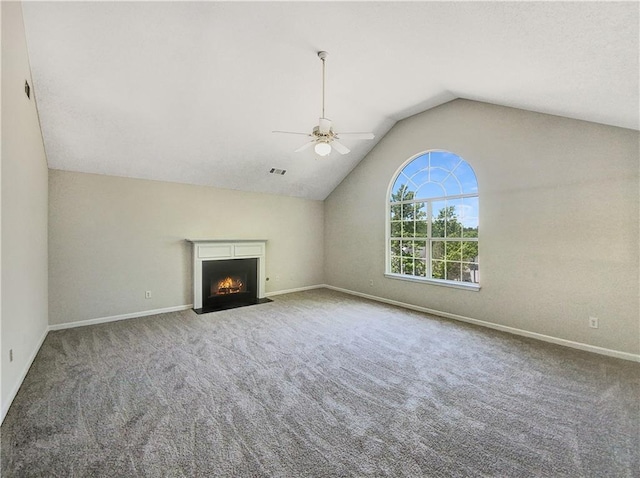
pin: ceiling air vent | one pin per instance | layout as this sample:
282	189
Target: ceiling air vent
278	171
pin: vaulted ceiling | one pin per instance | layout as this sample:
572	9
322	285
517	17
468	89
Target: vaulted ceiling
190	92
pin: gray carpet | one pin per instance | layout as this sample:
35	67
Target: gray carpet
318	384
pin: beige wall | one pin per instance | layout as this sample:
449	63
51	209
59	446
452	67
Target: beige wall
558	222
24	212
111	239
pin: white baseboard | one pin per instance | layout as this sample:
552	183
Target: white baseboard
113	318
297	289
25	370
503	328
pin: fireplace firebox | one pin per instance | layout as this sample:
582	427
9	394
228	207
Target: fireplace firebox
228	283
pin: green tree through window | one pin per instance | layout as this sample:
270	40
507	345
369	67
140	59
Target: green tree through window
433	220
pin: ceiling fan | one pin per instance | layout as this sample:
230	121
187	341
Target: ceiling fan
324	139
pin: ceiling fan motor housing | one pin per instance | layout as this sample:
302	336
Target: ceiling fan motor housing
322	135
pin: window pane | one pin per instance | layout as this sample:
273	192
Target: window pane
408	228
420	177
453	250
417	164
470	231
437	175
470	208
437	250
452	186
395	265
407	211
430	190
455	208
395	229
420	268
395	248
469	217
470	272
437	269
470	251
453	271
402	189
399	184
396	212
453	226
421	219
420	249
407	266
467	178
438	209
444	159
407	248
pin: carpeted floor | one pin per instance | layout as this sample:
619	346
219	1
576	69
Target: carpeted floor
318	384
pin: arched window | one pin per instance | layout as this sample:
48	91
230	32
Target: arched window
432	232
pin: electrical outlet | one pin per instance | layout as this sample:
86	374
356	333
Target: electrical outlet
147	294
593	322
10	355
371	283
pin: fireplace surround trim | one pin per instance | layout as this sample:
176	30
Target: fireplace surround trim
222	249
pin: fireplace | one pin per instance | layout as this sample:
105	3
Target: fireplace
229	282
228	274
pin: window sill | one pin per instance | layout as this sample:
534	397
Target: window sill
440	282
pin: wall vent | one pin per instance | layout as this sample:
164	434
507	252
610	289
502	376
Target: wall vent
278	171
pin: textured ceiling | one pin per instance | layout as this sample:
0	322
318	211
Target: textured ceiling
190	92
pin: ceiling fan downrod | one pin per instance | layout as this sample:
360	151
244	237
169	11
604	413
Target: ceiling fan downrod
323	56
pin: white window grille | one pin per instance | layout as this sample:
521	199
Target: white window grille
432	221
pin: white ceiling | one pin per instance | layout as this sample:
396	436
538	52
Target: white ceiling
190	92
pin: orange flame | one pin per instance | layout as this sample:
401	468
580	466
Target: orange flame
229	285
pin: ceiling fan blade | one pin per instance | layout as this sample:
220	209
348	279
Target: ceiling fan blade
291	132
339	147
305	146
324	125
356	135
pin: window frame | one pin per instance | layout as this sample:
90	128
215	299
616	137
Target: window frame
428	239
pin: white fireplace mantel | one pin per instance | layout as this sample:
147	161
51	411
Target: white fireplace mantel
222	249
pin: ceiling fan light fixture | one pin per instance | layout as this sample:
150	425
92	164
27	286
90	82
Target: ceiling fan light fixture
322	149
